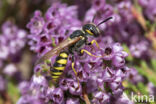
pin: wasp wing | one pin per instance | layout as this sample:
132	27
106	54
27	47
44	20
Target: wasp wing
66	43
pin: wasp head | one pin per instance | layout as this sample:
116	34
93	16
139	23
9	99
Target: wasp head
91	29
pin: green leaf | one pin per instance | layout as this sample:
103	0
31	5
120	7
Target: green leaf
3	8
126	49
147	72
144	65
13	92
142	88
153	62
53	42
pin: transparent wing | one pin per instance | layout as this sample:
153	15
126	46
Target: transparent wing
66	43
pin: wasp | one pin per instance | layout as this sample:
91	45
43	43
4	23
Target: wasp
73	43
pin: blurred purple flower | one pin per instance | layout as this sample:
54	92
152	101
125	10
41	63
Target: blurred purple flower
12	40
58	96
3	84
149	8
36	24
10	69
151	89
100	98
134	76
72	101
24	87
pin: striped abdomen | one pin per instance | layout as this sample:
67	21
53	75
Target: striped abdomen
59	65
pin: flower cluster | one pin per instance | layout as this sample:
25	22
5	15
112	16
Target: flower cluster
123	28
134	77
45	32
149	8
107	69
12	40
99	77
103	76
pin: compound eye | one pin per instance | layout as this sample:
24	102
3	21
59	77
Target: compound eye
92	31
95	33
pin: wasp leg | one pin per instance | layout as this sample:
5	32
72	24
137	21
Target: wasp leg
94	41
73	65
75	70
90	54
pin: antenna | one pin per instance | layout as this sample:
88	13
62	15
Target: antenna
93	18
104	21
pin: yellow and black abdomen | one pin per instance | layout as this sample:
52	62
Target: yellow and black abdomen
59	65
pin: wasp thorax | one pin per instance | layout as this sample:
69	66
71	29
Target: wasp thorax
91	29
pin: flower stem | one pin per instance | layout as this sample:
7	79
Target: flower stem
139	17
85	96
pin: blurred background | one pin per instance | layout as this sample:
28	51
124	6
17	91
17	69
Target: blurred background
133	25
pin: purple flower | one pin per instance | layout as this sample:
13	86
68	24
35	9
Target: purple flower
72	101
151	89
3	84
24	99
29	99
58	96
65	83
82	75
10	70
4	51
92	86
143	3
108	75
50	91
134	76
51	29
149	6
118	60
124	100
12	40
108	52
101	76
117	47
36	24
101	12
139	49
75	88
97	4
100	98
38	81
124	9
24	87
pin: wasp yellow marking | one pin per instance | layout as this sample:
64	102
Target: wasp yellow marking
69	38
90	54
75	73
59	68
62	61
94	41
55	77
64	55
74	68
57	73
89	32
